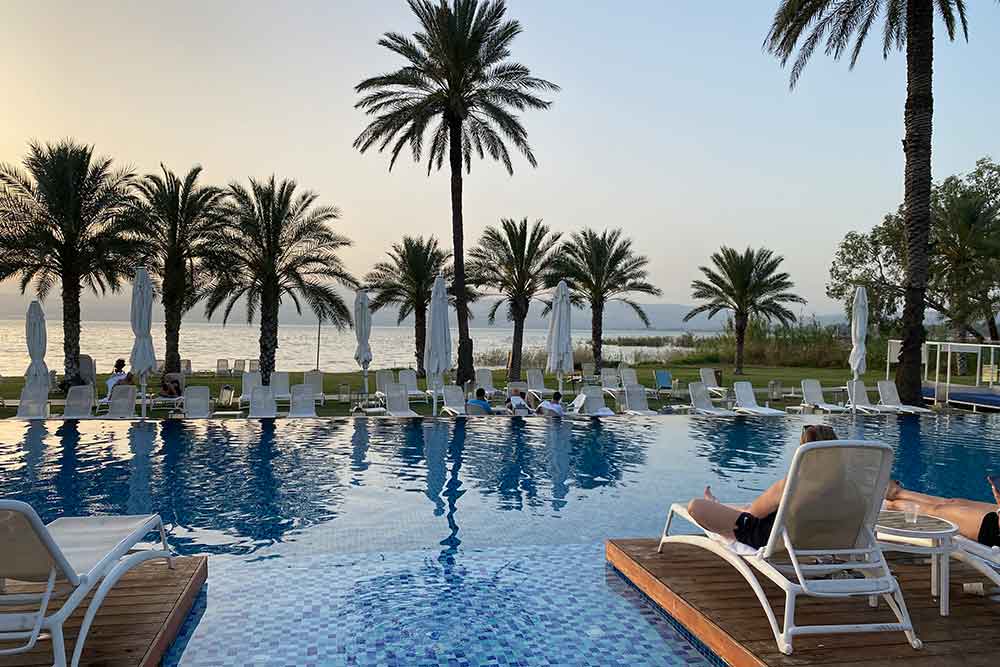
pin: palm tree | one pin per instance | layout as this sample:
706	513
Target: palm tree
406	280
598	268
460	88
750	286
799	27
276	244
179	218
62	221
513	262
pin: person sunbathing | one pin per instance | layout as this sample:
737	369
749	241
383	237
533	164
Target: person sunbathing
976	520
751	526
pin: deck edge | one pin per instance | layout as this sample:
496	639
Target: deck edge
701	627
182	608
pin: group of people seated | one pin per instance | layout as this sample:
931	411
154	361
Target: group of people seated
169	387
516	404
752	525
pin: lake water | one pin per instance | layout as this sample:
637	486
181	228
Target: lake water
203	343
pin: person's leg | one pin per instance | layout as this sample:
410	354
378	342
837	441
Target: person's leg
966	514
714	516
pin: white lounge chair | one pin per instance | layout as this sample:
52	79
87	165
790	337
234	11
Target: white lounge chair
408	378
254	366
222	368
484	381
701	404
249	383
81	553
823	540
197	403
812	398
88	369
33	404
239	366
122	403
629	377
314	380
280	387
262	404
590	402
611	383
635	401
303	402
746	401
857	397
79	402
454	400
707	376
397	402
536	384
888	396
383	378
588	373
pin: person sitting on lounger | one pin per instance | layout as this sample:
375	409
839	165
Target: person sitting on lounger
751	526
553	407
170	388
117	375
516	402
975	520
480	401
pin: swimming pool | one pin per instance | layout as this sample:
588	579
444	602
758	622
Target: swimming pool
435	542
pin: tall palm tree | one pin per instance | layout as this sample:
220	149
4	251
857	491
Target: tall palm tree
276	244
460	89
513	261
406	280
798	28
598	268
179	218
62	221
749	285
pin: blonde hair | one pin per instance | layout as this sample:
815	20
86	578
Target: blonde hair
817	432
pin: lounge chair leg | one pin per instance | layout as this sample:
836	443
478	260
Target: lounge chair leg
666	531
895	601
58	646
785	640
163	540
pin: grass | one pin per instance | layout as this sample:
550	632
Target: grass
758	375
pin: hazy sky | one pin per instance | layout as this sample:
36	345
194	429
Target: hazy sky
672	123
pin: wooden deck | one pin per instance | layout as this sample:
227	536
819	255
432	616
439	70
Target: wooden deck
139	619
708	597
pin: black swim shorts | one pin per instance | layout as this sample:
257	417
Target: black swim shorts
752	531
989	530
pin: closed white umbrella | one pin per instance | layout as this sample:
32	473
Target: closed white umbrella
363	329
859	330
143	357
560	341
37	375
437	344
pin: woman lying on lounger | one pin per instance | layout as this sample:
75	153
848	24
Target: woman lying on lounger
975	520
753	526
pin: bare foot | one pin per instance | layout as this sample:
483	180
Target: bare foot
893	489
994	487
711	496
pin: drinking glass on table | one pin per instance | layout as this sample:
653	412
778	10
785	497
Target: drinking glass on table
911	511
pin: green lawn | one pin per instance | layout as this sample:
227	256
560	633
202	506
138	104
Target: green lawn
789	376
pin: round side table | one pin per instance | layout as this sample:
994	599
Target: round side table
928	536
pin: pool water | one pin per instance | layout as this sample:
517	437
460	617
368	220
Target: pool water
436	542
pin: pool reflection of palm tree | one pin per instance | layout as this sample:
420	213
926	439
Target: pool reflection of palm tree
741	445
141	436
67	481
602	454
558	444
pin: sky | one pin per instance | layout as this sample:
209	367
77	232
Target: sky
672	122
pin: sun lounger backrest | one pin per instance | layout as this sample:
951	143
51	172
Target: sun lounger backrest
186	366
79	401
536	380
250	381
635	397
745	398
254	365
239	366
454	397
708	377
303	402
588	369
408	378
122	401
629	377
484	379
29	553
280	383
383	378
812	392
833	493
314	380
664	380
88	369
397	399
262	403
33	404
888	394
222	366
197	404
699	396
594	400
858	393
610	379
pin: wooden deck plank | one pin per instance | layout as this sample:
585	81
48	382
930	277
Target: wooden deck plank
708	597
138	620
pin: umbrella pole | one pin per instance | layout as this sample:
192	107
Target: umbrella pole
434	402
559	375
143	411
364	375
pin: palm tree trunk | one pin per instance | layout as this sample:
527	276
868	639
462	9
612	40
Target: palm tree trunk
517	348
420	337
71	328
465	370
597	332
918	120
740	329
173	288
268	332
